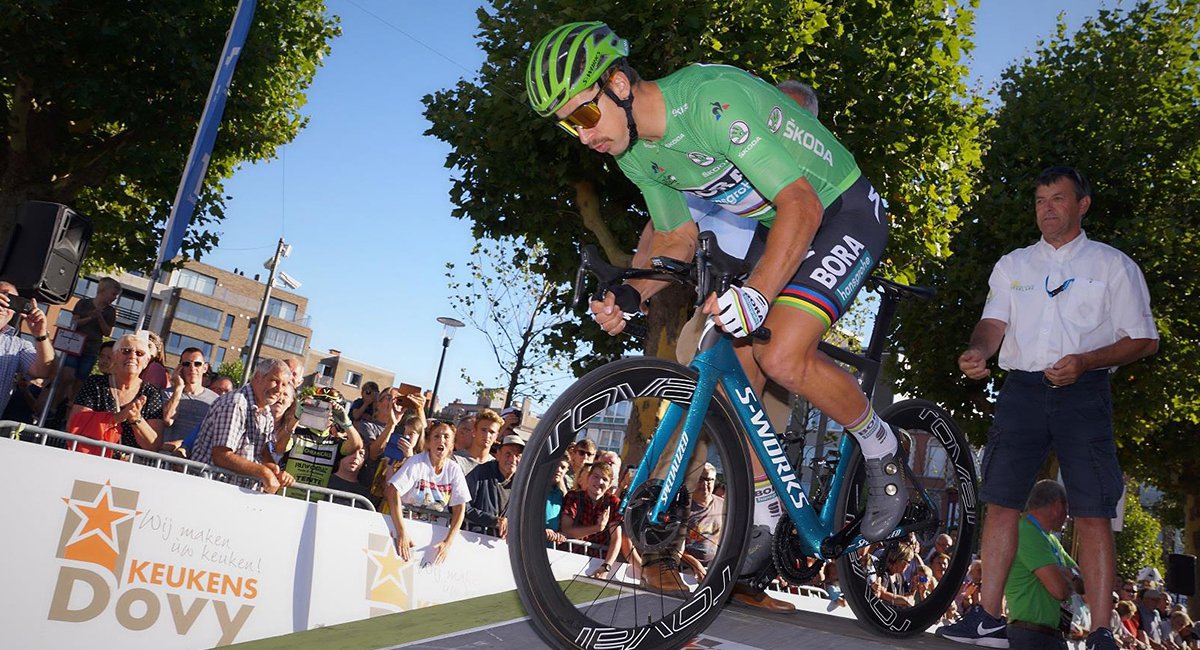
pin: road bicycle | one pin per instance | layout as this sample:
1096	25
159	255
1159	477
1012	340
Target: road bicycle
693	423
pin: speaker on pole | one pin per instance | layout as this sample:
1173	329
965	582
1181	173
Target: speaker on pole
1181	574
43	254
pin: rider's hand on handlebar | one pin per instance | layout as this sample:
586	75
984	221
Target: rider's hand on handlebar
608	315
739	311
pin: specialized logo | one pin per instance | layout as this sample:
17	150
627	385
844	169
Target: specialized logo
99	522
739	132
717	109
389	581
808	141
701	158
770	442
775	119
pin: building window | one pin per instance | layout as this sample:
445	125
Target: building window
86	288
353	378
177	343
283	340
324	370
202	315
228	329
282	309
198	282
65	318
218	358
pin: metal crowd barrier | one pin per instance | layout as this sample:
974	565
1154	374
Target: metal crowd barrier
69	441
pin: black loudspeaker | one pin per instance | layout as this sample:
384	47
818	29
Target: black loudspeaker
1181	574
42	255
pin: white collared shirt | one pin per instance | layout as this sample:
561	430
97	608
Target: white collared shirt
1100	298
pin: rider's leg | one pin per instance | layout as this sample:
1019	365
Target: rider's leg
792	359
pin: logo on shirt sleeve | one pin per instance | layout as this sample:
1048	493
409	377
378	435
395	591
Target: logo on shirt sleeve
775	119
739	132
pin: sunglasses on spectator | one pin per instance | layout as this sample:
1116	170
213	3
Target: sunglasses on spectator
585	116
129	351
193	364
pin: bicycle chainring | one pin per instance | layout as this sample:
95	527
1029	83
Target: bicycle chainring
789	560
656	537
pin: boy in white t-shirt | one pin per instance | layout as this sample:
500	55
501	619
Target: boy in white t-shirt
429	480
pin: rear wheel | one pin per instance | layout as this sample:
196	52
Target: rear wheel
568	608
943	464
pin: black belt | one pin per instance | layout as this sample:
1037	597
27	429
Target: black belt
1035	378
1040	629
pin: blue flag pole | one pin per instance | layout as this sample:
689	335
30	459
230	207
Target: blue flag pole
192	181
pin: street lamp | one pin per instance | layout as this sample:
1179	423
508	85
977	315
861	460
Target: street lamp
448	327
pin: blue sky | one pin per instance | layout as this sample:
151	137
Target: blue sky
363	196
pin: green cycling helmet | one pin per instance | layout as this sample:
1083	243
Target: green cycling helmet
568	60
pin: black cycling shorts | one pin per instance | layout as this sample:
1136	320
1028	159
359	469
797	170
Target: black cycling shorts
844	251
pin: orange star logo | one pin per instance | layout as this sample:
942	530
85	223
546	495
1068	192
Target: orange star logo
94	536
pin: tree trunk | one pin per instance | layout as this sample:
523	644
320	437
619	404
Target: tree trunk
588	202
670	309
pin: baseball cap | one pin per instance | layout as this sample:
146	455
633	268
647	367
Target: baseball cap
511	410
512	439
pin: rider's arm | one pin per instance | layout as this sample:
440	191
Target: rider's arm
679	244
798	214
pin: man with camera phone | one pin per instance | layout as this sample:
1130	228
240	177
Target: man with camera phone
18	355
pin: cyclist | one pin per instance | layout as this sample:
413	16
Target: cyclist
719	133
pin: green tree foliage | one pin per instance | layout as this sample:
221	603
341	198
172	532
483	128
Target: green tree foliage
1137	542
233	369
1120	100
99	103
888	74
504	292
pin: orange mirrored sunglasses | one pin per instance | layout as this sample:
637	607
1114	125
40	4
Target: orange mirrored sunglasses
585	116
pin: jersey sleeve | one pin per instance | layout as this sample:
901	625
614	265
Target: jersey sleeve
743	135
668	207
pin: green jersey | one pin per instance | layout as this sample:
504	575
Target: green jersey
734	140
1028	599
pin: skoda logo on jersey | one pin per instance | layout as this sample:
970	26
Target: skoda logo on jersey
717	109
739	132
701	158
775	120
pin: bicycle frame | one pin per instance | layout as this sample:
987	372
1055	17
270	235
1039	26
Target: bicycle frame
718	365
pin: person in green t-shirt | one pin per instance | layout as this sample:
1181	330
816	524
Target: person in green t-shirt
1040	578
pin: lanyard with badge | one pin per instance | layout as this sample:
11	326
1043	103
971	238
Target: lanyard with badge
1065	615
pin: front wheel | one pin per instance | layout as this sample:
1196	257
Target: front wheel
628	608
890	594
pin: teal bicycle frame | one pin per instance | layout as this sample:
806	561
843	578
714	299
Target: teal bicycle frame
719	364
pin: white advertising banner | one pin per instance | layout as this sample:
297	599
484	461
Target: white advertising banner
95	548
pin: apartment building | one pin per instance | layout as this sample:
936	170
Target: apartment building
199	305
343	373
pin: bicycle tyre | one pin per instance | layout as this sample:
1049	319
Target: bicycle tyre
556	619
918	417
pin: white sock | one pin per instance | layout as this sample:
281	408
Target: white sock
874	436
767	508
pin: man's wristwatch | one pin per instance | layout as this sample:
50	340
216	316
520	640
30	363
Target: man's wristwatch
135	422
41	338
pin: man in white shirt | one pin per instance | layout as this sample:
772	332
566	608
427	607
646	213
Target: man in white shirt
1063	314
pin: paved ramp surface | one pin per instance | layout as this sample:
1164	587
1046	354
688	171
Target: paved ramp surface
497	621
